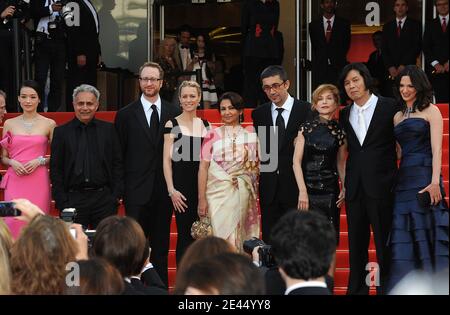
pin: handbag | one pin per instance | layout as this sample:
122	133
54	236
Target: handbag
201	228
424	199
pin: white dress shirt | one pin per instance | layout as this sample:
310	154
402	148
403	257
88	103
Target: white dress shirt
307	284
369	109
287	106
148	108
185	55
43	22
325	23
403	22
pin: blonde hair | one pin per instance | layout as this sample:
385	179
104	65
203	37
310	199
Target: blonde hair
163	43
325	88
191	84
5	267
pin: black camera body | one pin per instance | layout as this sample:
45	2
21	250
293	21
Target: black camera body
22	7
266	258
8	209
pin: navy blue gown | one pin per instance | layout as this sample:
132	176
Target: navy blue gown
419	236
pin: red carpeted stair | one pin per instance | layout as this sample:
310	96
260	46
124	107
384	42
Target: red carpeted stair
342	264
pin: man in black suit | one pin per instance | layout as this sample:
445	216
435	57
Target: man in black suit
84	52
370	172
184	51
277	124
50	49
375	64
86	167
402	41
435	48
304	244
140	127
261	47
330	41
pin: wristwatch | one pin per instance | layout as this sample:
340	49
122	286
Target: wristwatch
172	192
42	160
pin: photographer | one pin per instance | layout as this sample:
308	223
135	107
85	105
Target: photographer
50	48
303	246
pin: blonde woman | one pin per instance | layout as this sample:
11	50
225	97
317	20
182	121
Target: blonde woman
182	143
319	159
168	61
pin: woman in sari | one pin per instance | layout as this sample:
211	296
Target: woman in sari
228	176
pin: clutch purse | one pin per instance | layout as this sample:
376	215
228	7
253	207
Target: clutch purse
424	199
201	228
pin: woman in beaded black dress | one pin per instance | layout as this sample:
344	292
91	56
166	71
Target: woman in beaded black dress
319	159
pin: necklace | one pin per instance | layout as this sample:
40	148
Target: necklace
408	112
28	125
233	137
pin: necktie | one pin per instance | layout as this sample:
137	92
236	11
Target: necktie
328	32
444	25
281	126
399	28
82	159
154	122
362	128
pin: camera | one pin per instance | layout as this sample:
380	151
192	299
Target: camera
56	27
7	209
21	6
266	258
66	11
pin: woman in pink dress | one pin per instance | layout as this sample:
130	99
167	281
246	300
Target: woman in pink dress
25	142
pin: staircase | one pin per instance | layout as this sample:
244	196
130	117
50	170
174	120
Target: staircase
342	264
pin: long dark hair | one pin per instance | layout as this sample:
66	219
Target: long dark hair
419	80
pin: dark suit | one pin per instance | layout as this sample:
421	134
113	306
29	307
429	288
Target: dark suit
310	291
375	64
6	61
278	190
435	48
136	287
260	45
146	197
82	40
62	164
328	59
369	180
403	50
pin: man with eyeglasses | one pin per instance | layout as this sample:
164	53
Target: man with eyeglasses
277	124
140	127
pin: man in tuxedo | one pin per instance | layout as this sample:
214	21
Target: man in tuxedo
261	46
50	49
277	124
370	172
330	41
435	48
304	244
84	52
375	64
140	126
86	167
185	54
402	41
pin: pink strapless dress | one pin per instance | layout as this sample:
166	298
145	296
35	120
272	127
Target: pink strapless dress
34	187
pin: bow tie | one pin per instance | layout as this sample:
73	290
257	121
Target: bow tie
184	47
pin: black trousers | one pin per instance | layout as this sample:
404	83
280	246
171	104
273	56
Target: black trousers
440	86
364	212
154	218
51	54
184	224
253	67
92	206
272	212
77	76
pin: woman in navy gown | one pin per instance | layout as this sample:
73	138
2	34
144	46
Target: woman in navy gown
419	235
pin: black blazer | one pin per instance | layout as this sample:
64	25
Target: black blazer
403	50
39	9
83	39
142	155
260	41
283	175
136	287
372	165
435	44
336	50
63	154
310	291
